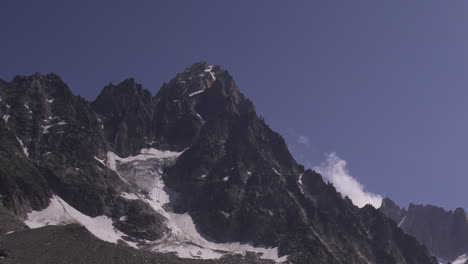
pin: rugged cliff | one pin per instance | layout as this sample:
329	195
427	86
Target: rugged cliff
444	233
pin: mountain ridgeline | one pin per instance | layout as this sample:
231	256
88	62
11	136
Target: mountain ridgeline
219	164
444	233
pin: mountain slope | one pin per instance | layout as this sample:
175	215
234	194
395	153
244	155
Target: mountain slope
75	245
191	170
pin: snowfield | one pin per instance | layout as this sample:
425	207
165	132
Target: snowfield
60	212
145	172
461	259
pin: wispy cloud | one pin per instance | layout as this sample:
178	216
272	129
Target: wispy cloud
334	170
303	140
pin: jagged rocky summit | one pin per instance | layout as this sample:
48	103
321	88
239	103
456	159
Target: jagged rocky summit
189	175
444	233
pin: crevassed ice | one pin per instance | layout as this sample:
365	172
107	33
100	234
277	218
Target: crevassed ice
183	238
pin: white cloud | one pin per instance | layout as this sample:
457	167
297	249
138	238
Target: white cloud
334	170
303	140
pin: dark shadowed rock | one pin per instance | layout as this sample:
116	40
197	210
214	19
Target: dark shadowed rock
127	115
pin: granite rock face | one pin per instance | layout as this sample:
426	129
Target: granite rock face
444	233
235	176
392	210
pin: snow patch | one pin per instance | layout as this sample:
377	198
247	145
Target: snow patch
129	196
60	212
225	179
156	153
25	149
461	259
195	93
50	101
226	215
300	183
100	160
210	71
110	161
402	221
46	128
276	171
186	242
6	117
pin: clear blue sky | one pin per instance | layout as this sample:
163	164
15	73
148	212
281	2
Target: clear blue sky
384	84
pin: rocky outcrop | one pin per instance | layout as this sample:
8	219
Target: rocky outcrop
126	111
392	210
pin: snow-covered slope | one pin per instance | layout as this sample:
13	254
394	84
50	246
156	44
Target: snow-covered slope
60	212
144	171
461	259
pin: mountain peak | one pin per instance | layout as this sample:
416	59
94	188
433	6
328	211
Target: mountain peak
199	73
199	65
38	80
115	97
124	157
460	211
202	83
392	210
127	86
